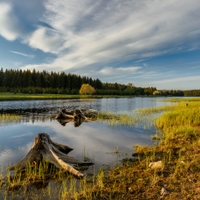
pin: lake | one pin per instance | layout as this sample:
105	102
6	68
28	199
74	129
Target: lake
96	140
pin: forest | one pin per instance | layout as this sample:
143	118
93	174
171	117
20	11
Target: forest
36	82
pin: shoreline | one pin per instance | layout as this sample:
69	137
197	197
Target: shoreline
8	96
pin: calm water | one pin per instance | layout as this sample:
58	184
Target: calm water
95	140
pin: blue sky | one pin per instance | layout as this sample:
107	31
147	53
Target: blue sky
148	42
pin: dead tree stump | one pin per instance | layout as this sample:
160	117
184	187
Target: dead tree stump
45	149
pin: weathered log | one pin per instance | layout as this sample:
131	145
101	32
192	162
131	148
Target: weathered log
45	149
77	114
89	113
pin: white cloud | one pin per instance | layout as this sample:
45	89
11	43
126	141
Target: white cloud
45	39
9	24
106	31
180	80
179	83
109	71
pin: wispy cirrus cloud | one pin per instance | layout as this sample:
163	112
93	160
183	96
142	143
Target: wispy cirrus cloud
85	33
23	54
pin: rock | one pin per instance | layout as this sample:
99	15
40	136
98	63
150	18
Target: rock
156	165
163	192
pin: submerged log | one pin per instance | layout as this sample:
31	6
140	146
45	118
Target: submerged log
45	149
77	115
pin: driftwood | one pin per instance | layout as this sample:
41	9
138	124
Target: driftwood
77	116
45	149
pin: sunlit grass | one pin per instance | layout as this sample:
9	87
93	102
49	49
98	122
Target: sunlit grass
180	115
193	99
135	119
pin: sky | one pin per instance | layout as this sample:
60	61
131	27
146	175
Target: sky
149	43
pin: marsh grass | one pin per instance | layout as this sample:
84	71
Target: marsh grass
178	150
135	119
145	116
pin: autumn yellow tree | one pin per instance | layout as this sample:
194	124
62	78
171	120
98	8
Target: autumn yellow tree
86	89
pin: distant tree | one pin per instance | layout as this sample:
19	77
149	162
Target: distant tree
86	89
156	92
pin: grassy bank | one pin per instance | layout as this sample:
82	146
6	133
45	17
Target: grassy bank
169	170
185	99
22	96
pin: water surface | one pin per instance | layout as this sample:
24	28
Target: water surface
96	140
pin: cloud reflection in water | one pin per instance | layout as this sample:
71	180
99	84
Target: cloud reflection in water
96	140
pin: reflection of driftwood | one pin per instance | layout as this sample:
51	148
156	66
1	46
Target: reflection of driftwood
77	116
45	149
76	122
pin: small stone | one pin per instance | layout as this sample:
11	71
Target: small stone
130	189
182	162
156	165
163	192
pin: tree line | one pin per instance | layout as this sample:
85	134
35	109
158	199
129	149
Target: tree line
177	92
192	93
27	81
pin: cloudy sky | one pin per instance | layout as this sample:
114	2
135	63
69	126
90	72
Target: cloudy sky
147	42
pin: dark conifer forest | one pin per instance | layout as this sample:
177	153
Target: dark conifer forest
35	82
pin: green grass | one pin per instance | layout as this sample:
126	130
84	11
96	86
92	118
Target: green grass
23	96
12	96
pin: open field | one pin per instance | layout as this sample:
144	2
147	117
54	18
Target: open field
169	170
